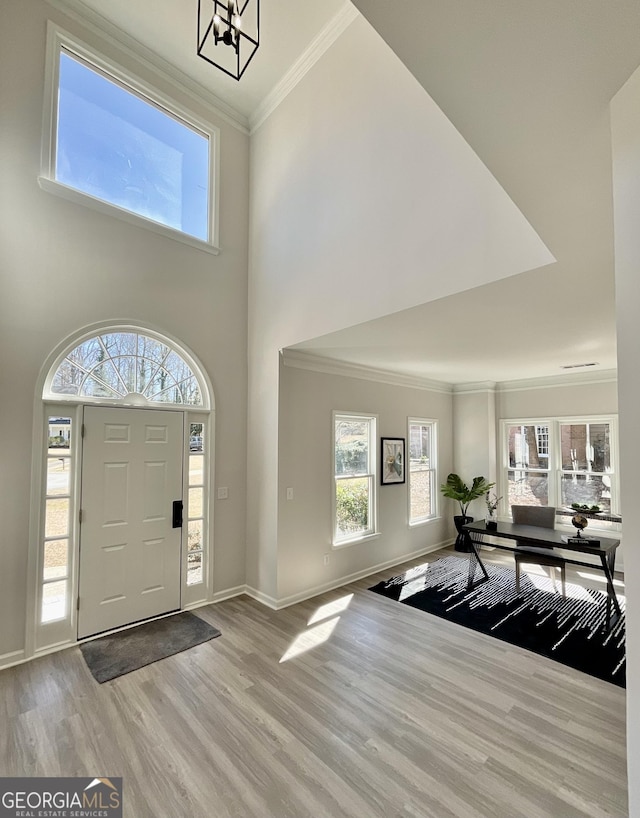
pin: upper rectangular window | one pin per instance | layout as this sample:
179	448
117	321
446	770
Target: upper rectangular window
122	145
422	470
354	477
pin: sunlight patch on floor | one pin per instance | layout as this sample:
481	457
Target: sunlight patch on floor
331	609
599	578
321	625
309	639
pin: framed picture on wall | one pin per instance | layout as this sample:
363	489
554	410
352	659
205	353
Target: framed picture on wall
392	460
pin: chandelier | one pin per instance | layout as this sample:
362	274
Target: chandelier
228	34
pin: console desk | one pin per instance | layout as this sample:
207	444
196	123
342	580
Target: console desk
506	534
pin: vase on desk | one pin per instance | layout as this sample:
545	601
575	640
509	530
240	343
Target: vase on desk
491	520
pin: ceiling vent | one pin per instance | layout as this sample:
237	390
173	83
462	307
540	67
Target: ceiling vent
579	366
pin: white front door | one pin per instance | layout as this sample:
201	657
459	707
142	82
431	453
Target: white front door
129	549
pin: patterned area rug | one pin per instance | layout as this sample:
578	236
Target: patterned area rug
569	629
116	654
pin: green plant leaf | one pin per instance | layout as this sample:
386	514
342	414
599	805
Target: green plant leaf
456	489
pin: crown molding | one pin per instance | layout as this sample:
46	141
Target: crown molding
471	388
318	46
556	381
330	366
116	37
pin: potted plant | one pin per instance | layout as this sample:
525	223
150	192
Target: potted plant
457	490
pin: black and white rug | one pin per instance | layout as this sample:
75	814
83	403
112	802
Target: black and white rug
569	629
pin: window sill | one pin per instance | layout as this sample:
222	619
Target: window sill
615	531
426	521
76	196
355	540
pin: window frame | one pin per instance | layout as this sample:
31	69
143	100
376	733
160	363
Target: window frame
131	398
371	474
504	508
196	592
54	631
433	458
59	40
554	468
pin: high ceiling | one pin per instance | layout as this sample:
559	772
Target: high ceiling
528	86
169	29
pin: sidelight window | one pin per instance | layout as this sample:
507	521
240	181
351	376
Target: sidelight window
54	575
196	504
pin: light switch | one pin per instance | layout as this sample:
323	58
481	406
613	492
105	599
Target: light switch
289	494
223	493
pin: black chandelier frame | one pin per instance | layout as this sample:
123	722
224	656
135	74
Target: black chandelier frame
226	34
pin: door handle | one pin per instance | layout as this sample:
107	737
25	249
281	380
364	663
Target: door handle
177	514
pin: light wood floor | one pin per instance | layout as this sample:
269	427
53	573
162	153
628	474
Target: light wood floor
396	714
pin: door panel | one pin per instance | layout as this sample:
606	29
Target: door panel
115	501
129	551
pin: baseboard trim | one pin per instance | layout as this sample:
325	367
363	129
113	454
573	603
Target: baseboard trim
302	596
18	657
229	593
14	657
264	599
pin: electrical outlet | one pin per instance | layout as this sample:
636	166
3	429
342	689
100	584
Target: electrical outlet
223	493
289	494
327	558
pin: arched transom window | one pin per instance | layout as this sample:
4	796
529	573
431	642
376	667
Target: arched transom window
116	365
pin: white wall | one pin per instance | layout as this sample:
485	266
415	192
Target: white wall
468	421
477	414
63	266
581	398
549	399
305	524
625	120
360	191
474	440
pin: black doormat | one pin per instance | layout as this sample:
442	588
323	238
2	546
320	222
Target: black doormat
116	654
569	629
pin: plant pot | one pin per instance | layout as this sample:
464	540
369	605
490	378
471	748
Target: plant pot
461	540
491	520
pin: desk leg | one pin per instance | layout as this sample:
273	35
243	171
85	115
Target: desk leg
474	562
608	563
